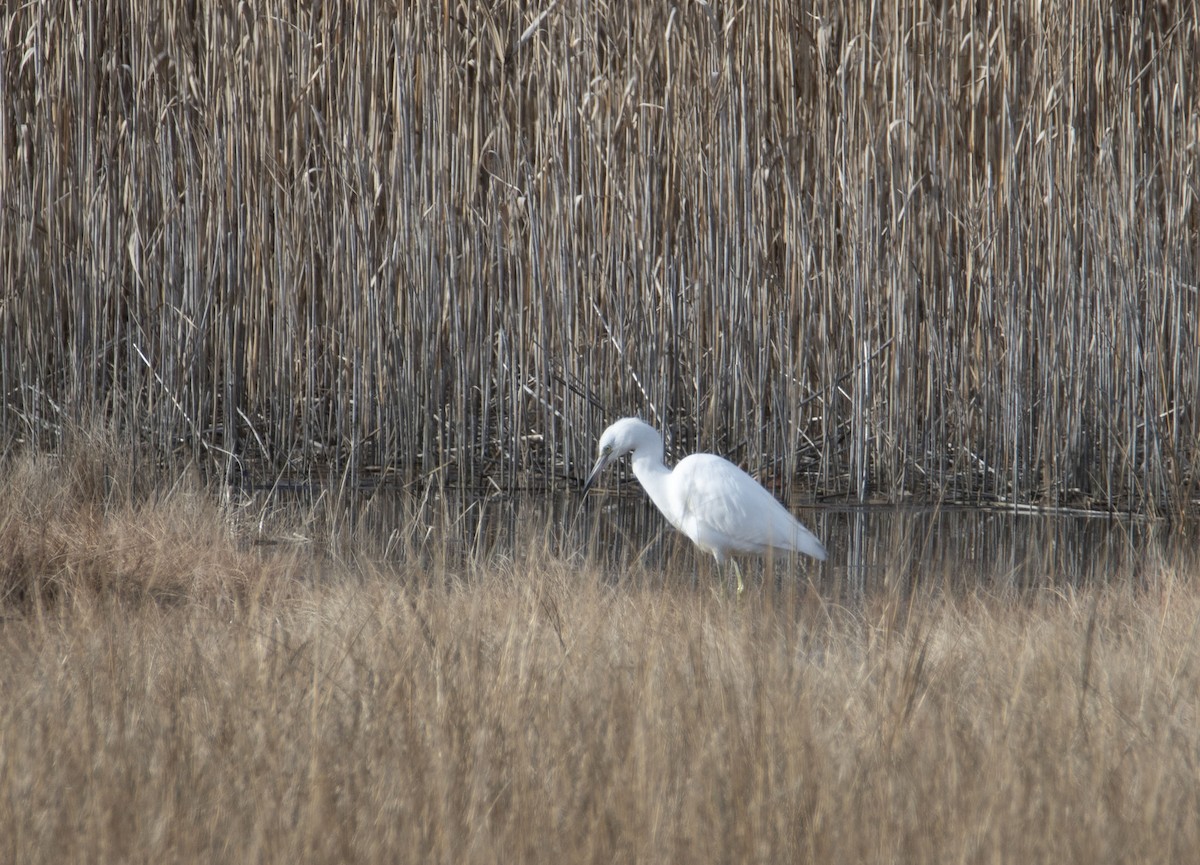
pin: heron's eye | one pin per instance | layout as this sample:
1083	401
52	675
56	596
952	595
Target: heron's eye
607	450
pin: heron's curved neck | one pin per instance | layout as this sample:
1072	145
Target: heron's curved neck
648	468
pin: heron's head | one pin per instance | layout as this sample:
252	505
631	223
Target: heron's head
628	435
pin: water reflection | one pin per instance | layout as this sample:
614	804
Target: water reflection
954	547
964	547
934	546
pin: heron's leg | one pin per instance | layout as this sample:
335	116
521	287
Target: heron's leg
738	572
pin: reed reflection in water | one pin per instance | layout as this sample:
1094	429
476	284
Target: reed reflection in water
870	547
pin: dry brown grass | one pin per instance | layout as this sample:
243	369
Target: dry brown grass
876	248
94	521
290	707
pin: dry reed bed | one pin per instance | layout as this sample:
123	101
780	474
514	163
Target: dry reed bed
875	248
283	706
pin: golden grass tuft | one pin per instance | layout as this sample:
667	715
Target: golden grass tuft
92	522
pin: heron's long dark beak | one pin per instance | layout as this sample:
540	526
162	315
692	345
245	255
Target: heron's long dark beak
599	467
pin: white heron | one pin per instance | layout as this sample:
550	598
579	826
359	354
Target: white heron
716	504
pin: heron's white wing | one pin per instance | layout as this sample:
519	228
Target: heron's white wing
724	510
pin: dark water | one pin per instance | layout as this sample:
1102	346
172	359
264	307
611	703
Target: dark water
955	547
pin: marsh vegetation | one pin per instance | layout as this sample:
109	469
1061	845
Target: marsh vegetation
176	690
294	297
873	250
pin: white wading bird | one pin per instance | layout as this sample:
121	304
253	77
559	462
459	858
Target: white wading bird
720	507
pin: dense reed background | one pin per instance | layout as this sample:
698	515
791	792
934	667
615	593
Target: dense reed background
873	249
